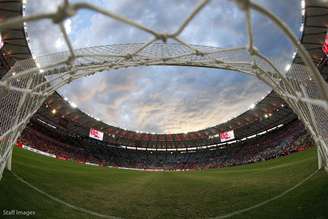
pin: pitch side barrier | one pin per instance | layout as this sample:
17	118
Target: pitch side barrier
30	82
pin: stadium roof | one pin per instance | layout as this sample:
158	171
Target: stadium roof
15	45
269	112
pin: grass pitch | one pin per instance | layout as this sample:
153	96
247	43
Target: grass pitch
137	194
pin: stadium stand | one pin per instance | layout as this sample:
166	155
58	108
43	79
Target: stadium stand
77	146
283	141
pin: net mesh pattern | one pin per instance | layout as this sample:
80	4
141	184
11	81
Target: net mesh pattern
28	83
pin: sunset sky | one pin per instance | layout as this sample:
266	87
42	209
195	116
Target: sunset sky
166	99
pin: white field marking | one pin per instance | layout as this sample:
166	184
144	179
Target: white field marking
230	169
234	213
93	213
218	217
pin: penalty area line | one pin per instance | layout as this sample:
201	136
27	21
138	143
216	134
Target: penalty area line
234	213
83	210
218	217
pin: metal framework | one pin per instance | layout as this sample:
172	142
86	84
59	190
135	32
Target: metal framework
29	82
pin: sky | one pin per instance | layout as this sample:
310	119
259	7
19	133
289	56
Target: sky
166	99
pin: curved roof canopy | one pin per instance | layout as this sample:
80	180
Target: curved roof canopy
268	113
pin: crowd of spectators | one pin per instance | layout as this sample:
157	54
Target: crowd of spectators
283	141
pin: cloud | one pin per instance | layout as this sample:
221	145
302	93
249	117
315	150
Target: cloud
43	33
166	99
68	26
169	100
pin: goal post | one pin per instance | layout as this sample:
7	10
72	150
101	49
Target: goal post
29	82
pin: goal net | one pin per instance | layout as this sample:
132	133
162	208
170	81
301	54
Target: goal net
29	82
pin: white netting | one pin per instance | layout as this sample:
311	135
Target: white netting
24	88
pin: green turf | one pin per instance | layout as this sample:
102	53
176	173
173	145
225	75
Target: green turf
194	194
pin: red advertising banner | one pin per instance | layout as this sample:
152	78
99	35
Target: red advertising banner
96	134
226	136
325	45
